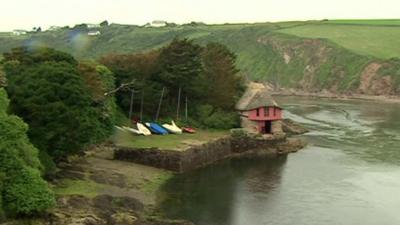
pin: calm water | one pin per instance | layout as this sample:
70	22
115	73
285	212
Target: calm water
349	174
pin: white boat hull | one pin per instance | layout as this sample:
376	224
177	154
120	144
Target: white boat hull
143	129
134	131
172	128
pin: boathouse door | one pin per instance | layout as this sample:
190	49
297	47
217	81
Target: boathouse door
268	127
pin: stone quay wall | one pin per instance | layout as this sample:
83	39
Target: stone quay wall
208	153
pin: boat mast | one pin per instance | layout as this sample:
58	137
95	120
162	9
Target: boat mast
179	103
159	104
186	108
131	105
141	106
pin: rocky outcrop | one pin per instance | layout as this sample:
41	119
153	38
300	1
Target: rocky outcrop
102	210
292	128
373	83
367	76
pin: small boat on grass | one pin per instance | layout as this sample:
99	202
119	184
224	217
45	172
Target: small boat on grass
120	128
156	129
188	130
172	128
143	129
133	130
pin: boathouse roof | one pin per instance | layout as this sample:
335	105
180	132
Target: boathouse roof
255	98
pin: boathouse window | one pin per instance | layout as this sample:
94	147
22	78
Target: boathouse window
258	112
266	111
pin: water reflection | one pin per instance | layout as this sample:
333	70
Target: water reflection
211	195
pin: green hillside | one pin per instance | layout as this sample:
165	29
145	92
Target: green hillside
376	38
314	55
382	22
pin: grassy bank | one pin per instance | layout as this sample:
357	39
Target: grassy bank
170	142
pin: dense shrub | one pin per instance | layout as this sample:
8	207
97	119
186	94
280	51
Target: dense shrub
221	120
209	117
23	191
2	215
62	101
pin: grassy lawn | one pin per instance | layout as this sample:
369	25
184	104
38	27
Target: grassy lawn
378	41
171	142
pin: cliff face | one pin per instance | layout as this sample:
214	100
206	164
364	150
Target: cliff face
317	65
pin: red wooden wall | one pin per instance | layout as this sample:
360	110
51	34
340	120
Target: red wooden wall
266	113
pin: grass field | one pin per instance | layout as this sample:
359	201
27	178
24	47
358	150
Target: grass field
170	142
383	22
378	41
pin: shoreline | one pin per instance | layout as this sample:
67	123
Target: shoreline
381	98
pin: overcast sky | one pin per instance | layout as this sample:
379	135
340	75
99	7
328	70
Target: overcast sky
25	14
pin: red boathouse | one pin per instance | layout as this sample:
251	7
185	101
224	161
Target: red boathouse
259	112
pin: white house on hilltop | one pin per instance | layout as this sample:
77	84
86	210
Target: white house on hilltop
19	32
157	23
91	25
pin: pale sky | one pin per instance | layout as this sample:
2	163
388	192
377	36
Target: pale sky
25	14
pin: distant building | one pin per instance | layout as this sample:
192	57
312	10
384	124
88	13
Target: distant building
156	23
259	112
19	32
94	33
91	25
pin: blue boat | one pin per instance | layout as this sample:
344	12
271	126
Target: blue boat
156	129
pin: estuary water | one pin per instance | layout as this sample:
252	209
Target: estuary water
349	174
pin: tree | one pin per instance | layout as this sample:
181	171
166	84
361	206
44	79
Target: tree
104	23
23	191
47	89
180	66
3	80
34	55
221	83
138	68
99	80
2	214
